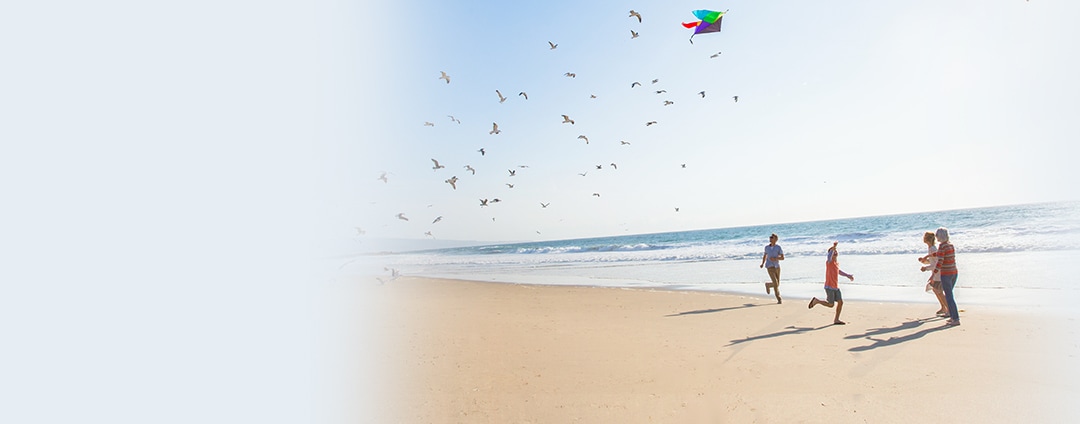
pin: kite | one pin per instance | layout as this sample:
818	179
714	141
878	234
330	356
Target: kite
710	22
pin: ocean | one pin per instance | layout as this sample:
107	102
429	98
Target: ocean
1007	255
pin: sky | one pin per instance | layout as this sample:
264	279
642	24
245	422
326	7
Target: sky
161	174
170	172
845	109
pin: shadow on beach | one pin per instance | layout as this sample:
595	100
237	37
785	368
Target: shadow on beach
885	330
869	334
787	332
709	311
898	339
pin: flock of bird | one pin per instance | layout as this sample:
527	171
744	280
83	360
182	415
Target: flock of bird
453	180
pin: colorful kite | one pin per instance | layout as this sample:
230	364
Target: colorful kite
710	22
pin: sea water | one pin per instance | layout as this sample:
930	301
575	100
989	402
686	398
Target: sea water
1018	255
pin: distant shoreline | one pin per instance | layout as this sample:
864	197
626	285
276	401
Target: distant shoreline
1000	280
391	245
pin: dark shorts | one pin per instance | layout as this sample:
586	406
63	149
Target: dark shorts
833	295
774	274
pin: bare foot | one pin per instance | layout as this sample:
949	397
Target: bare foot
839	323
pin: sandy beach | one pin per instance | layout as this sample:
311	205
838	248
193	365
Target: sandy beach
460	352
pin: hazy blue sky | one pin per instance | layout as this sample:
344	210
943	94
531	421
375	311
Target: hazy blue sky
161	172
845	109
167	168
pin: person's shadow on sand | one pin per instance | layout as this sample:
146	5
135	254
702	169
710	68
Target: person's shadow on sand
709	311
789	330
869	335
885	330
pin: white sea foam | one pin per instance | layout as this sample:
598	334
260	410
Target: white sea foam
1005	255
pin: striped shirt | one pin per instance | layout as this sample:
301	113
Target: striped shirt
946	255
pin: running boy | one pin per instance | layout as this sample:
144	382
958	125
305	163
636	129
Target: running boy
832	289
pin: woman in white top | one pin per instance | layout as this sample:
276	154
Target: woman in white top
934	283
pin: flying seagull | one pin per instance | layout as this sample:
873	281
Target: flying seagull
634	14
483	202
494	129
702	93
582	137
596	194
650	123
522	94
509	185
445	77
402	217
482	150
613	165
437	219
656	80
715	55
470	168
553	45
542	205
501	98
668	102
512	172
633	34
429	124
453	182
566	119
437	166
571	74
452	118
635	83
383	178
624	142
661	91
736	98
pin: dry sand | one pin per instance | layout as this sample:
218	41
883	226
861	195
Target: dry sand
478	352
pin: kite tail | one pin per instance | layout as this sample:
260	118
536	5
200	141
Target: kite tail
690	25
